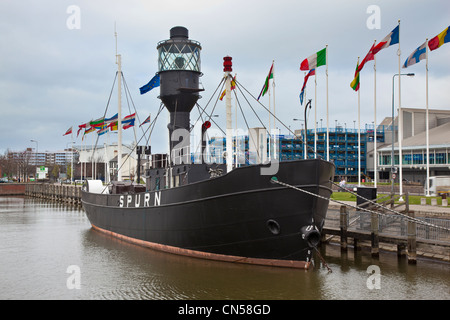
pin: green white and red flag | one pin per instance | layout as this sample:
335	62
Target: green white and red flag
316	60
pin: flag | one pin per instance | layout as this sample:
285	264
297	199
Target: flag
129	118
416	56
129	124
355	83
316	60
266	83
391	39
97	124
113	126
439	40
233	86
150	85
128	121
69	131
112	119
146	121
369	56
81	126
102	130
310	73
89	130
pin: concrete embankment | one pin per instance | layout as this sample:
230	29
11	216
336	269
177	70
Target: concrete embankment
56	192
12	189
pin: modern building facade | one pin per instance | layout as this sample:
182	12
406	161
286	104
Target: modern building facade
46	158
343	146
414	146
344	142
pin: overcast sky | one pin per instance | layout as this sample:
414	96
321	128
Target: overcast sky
57	68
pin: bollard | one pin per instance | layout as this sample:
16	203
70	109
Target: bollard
433	201
423	201
444	202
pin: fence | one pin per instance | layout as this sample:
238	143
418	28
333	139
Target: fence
390	228
391	225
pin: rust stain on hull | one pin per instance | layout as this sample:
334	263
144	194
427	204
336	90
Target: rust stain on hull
207	255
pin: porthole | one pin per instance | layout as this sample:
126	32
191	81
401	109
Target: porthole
273	226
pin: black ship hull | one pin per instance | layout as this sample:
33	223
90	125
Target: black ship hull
240	216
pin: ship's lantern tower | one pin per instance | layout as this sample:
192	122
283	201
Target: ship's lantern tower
179	71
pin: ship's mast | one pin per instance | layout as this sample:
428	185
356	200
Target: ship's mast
119	116
227	64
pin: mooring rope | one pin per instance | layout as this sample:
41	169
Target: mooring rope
418	221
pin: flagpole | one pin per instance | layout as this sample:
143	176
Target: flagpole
82	164
119	117
81	161
375	172
359	137
107	177
315	115
427	124
71	164
400	119
229	129
328	130
93	159
274	117
270	112
236	128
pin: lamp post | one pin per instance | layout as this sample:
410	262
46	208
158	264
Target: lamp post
400	127
302	135
71	162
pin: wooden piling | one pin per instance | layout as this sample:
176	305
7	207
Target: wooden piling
411	241
375	250
343	226
401	250
66	194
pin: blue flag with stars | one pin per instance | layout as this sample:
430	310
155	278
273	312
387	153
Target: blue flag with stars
416	56
149	86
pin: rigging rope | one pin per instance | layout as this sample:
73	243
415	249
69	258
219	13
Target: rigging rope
275	117
104	115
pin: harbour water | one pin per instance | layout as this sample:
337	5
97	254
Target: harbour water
49	251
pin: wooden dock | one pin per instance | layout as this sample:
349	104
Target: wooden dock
68	194
409	237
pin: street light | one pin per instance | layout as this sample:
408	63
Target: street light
71	162
393	134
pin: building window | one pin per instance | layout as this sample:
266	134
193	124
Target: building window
441	158
417	159
407	159
386	160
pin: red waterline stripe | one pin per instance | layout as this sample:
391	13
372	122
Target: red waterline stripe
208	255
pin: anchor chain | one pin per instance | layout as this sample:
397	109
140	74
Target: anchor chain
323	260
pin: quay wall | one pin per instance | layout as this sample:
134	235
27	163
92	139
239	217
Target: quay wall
12	189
